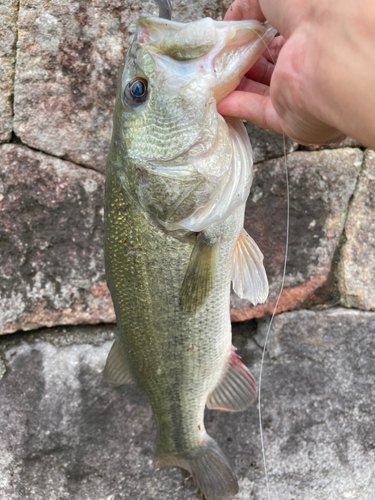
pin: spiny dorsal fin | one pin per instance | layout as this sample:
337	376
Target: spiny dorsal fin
117	370
248	274
237	389
200	272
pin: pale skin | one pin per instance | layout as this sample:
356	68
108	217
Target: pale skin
316	83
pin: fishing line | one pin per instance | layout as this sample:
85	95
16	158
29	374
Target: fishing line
272	318
276	304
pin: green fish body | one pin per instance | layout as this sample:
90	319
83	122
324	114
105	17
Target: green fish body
178	176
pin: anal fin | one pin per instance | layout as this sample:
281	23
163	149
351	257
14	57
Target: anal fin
248	274
236	391
200	272
117	370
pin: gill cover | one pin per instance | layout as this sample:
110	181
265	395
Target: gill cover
188	167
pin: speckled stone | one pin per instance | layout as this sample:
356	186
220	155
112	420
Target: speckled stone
321	184
356	271
51	242
348	142
66	435
51	257
8	38
68	57
317	405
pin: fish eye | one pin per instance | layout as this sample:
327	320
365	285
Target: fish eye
136	92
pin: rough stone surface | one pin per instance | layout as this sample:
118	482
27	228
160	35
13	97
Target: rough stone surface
51	242
8	37
65	434
267	145
317	405
357	265
321	184
348	142
67	63
51	256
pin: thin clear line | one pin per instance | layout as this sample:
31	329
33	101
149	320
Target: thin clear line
271	321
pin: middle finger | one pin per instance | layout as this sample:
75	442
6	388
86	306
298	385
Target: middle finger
261	71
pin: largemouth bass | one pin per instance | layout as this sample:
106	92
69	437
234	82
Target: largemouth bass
178	176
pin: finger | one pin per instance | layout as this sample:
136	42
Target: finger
244	9
273	50
261	71
308	131
247	85
286	16
255	108
273	10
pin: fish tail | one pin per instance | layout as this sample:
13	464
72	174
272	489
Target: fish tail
209	468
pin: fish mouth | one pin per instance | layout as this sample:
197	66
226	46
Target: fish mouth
242	43
220	52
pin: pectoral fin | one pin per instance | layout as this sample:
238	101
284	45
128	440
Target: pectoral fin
117	370
199	275
237	389
248	274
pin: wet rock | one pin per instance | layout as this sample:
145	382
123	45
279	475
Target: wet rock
65	434
67	64
8	38
357	265
267	145
321	184
51	242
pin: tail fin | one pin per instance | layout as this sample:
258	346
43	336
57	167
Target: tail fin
209	467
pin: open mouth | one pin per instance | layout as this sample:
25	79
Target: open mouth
243	42
222	51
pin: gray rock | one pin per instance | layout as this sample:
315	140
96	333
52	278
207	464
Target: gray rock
321	184
51	242
267	145
348	142
67	64
65	434
8	37
317	405
357	265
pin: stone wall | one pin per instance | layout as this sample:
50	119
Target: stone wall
64	433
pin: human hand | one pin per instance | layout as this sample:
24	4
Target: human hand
301	82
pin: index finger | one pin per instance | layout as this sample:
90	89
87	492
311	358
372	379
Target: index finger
255	108
244	9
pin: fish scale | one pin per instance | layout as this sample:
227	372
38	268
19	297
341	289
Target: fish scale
153	310
174	212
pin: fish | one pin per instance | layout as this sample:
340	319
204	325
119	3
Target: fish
177	179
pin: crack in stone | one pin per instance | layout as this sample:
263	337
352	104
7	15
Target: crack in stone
337	259
15	50
3	368
16	140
